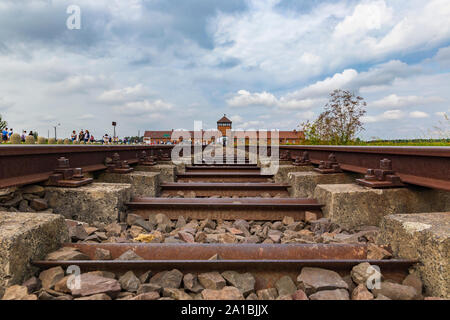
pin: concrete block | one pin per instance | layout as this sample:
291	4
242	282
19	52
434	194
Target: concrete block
283	172
143	184
96	202
26	236
425	237
303	184
167	172
352	205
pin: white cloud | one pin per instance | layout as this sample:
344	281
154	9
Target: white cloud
245	98
387	115
395	101
79	84
124	94
361	31
366	17
443	57
86	116
142	108
418	114
5	104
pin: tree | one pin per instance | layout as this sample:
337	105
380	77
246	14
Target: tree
3	123
340	122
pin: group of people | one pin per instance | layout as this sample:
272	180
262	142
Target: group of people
6	135
82	136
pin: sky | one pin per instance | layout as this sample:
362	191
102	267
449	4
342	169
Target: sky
266	64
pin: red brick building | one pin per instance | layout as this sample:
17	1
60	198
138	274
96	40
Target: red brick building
223	125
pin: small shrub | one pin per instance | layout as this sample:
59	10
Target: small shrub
15	138
41	140
29	140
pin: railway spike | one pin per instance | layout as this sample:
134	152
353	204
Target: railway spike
115	165
384	177
65	176
330	166
145	160
303	160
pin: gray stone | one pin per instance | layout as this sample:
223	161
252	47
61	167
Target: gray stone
226	293
129	282
211	280
102	254
39	204
361	293
285	286
168	279
176	294
147	296
190	282
414	281
245	282
100	296
338	294
149	287
129	255
66	254
92	284
17	292
396	291
362	272
316	279
50	277
267	294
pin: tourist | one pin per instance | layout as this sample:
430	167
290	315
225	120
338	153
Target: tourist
87	136
81	136
10	133
24	134
31	133
92	139
105	138
4	135
73	136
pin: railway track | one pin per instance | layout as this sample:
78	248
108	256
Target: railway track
220	192
267	263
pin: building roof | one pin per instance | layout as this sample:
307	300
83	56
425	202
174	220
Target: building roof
224	119
158	134
281	134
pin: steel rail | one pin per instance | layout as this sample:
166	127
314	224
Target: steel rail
21	165
421	166
266	262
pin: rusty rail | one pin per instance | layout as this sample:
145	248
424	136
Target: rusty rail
268	209
201	189
422	166
21	165
266	262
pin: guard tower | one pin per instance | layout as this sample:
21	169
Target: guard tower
223	125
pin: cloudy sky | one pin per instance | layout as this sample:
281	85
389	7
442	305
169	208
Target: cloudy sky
161	64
